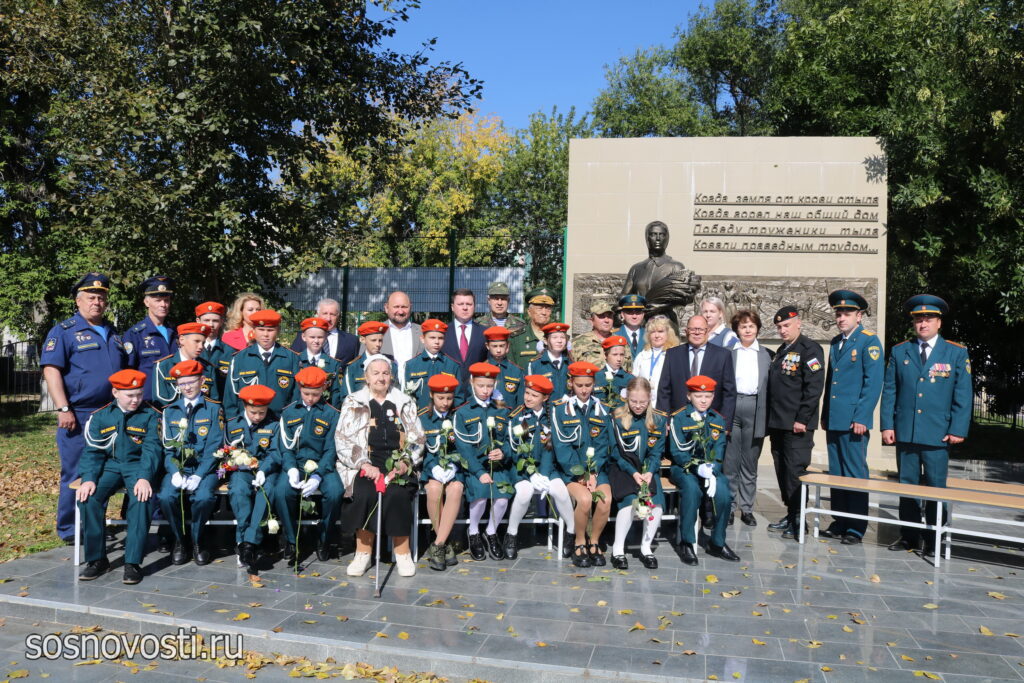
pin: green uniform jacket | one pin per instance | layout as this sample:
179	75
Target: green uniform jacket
131	441
247	367
308	434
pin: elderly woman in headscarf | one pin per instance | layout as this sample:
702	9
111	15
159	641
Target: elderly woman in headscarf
380	446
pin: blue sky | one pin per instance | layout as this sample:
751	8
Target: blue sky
533	55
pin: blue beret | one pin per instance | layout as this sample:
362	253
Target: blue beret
926	303
158	284
845	298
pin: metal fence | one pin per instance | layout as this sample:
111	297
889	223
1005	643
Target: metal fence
21	379
982	412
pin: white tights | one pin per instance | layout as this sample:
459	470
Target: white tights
559	495
624	520
476	514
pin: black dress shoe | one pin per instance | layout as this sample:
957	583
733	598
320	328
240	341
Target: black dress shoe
203	557
902	544
851	539
566	550
509	547
476	547
132	574
748	519
180	554
164	545
596	557
289	553
725	553
732	519
449	554
110	535
323	552
780	525
649	561
620	562
494	547
928	552
829	533
94	569
580	556
689	557
791	532
435	558
247	556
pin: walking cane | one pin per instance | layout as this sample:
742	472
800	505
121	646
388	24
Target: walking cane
381	484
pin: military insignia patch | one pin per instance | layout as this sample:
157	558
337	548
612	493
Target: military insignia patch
715	434
136	439
545	437
264	442
967	364
203	431
510	386
283	382
853	354
205	389
51	344
875	352
129	347
594	431
651	440
814	364
318	430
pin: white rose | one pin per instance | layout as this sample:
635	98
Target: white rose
590	452
310	466
182	423
320	362
608	376
273	526
695	416
490	422
446	425
518	430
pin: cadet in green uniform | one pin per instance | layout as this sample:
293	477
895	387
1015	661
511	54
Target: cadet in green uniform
430	362
122	449
697	448
314	333
263	362
498	315
853	383
553	362
443	475
927	400
588	346
525	345
509	386
192	435
216	354
308	458
612	376
191	337
371	335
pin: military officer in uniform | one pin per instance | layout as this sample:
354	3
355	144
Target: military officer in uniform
78	356
509	386
927	399
795	380
429	362
152	338
587	347
122	450
263	362
371	335
526	345
632	308
498	315
191	337
314	332
190	480
216	354
853	383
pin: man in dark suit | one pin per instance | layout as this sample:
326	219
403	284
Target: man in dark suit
464	340
697	357
342	345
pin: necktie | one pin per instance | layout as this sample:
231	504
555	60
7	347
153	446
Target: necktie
463	343
209	346
924	353
695	363
315	360
266	357
557	364
585	408
634	341
841	343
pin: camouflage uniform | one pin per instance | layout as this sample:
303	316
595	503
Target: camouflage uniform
587	347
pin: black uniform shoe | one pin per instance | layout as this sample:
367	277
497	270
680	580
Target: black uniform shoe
596	556
791	532
435	557
689	557
829	533
494	547
580	557
132	574
748	519
164	544
109	535
851	539
289	554
203	557
180	554
780	525
247	556
94	569
725	553
732	519
323	552
566	550
902	544
649	561
509	548
620	562
449	554
476	547
929	553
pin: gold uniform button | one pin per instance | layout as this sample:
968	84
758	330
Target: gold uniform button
920	395
918	410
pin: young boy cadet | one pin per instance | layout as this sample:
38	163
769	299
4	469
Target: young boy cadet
697	447
314	333
510	381
307	436
263	362
122	449
371	335
420	369
216	353
191	337
190	480
256	433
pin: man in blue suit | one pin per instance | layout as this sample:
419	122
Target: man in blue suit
853	382
927	398
697	357
464	340
342	345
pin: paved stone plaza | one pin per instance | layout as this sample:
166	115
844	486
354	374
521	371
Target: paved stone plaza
823	612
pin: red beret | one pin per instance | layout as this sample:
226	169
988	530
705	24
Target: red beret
497	333
311	377
442	383
613	340
434	325
372	327
484	370
701	383
583	369
187	368
318	323
127	379
539	383
554	327
193	328
210	307
256	395
265	318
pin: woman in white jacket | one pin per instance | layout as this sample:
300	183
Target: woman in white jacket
660	336
379	442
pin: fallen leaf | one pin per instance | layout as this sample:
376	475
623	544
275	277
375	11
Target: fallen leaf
655	640
1011	635
730	594
755	641
858	621
769	592
891	643
625	611
711	578
997	596
602	603
637	627
930	605
241	616
277	629
541	643
906	658
309	621
737	674
341	618
847	629
20	673
928	674
826	668
499	616
221	611
875	578
87	662
814	644
424	590
255	604
403	635
689	652
757	614
985	631
574	610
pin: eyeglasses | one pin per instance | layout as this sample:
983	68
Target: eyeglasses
696	329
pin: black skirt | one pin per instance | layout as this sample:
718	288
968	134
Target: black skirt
396	504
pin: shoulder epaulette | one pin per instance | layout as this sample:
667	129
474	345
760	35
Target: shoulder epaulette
558	402
679	410
100	408
68	324
287	349
154	409
423	411
516	411
328	405
353	361
956	344
868	332
165	357
466	403
901	343
140	327
213	400
450	358
659	412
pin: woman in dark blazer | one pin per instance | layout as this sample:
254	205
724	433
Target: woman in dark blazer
750	361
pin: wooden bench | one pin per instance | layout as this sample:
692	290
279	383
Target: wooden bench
941	496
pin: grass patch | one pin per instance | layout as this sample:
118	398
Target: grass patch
990	440
29	479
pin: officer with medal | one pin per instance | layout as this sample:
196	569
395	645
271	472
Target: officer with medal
314	333
927	400
853	383
796	377
430	362
78	356
152	338
263	362
192	433
216	354
191	337
526	345
510	382
632	309
498	315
